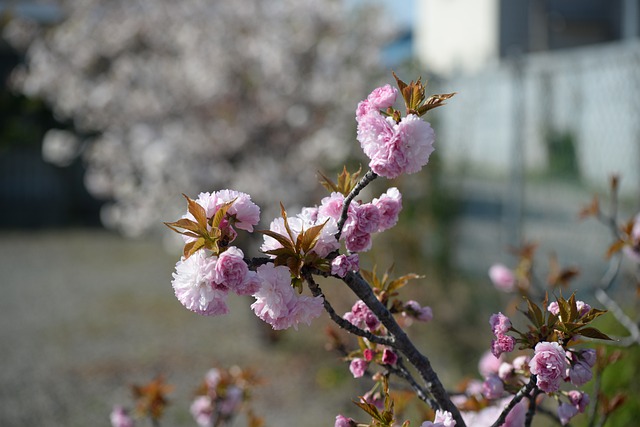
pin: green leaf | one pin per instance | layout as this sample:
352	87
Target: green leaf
402	281
534	313
593	333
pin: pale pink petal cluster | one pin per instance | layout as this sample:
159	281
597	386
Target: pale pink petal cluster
442	419
489	364
487	416
243	213
363	219
549	364
203	281
492	387
342	264
278	304
380	98
120	417
358	367
194	284
362	317
202	410
503	343
342	421
414	310
393	148
502	277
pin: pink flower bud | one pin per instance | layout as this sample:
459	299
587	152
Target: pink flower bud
502	277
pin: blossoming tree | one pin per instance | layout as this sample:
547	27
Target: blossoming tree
326	241
169	96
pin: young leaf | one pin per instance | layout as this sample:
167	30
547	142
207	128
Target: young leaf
615	247
593	333
197	211
286	243
309	238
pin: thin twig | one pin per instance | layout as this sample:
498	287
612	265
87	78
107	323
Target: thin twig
621	317
402	371
341	322
532	408
402	342
524	391
366	179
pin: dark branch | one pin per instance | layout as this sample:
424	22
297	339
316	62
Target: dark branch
341	322
524	391
402	342
366	179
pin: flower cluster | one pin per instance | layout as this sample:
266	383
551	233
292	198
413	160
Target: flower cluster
503	343
277	302
221	396
363	219
394	147
442	419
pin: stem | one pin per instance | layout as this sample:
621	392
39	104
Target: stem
621	317
402	342
524	391
401	371
366	179
532	408
344	324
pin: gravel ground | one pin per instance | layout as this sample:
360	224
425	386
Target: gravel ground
84	314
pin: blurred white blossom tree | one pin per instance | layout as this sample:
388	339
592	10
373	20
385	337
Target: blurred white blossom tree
195	95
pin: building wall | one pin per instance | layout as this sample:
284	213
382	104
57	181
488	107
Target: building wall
460	35
507	113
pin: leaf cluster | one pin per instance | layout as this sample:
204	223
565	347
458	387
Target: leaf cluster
295	252
346	181
384	417
207	232
564	327
414	97
151	398
385	288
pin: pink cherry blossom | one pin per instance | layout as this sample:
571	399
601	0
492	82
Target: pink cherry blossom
489	364
549	364
502	277
358	367
367	218
278	304
566	412
389	357
395	148
246	213
342	421
380	99
120	417
492	387
231	270
588	356
194	285
389	205
554	308
502	344
356	241
362	317
579	399
500	324
202	410
414	310
580	374
442	419
342	264
331	206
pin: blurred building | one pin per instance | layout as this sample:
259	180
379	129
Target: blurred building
545	86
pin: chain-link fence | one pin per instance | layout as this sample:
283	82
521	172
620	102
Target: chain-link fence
528	141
